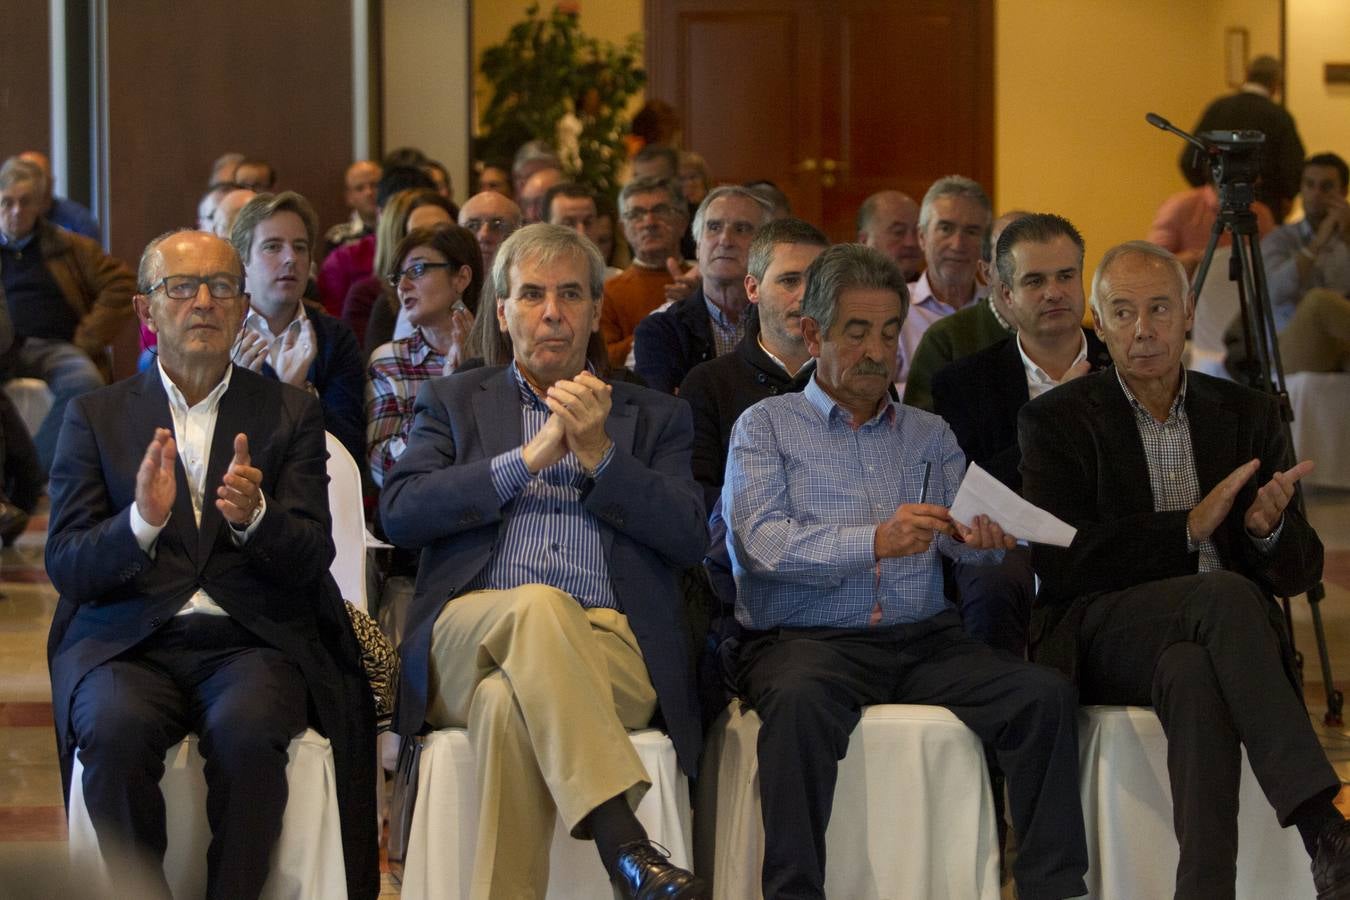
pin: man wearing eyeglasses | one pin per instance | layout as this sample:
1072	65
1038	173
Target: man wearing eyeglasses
190	543
491	217
654	215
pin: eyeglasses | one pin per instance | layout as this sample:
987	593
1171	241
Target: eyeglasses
221	285
415	272
494	226
638	213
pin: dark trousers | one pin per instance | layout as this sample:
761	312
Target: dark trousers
1204	652
808	687
995	600
244	700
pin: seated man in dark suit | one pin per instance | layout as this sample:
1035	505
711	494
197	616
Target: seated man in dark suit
554	512
836	502
1040	263
286	338
710	321
770	359
1174	481
190	544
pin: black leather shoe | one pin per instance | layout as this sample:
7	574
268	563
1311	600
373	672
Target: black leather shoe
1331	865
645	873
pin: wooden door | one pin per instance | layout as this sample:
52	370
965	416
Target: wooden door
830	99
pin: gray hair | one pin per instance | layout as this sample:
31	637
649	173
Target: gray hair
844	267
15	170
780	231
731	190
1138	248
543	243
150	258
954	186
653	183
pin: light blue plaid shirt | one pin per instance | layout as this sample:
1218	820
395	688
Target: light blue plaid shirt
803	496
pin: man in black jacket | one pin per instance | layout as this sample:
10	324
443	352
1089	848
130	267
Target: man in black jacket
770	359
1254	108
1040	263
711	320
1178	488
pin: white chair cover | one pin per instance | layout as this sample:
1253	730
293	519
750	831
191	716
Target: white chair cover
1321	404
913	812
1127	809
307	863
32	398
1215	310
349	523
445	822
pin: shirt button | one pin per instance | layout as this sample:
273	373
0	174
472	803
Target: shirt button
553	547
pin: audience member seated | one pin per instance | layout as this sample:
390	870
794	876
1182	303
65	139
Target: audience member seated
781	206
67	300
1308	273
201	602
495	176
1186	220
350	263
954	224
614	251
206	206
710	321
695	182
1178	488
359	184
258	175
222	170
227	210
549	578
965	331
534	191
654	216
440	177
836	504
370	308
573	206
62	211
889	221
1040	262
656	161
771	358
282	337
531	157
438	274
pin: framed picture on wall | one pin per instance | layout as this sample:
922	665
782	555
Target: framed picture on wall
1235	56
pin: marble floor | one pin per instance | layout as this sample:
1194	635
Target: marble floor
32	824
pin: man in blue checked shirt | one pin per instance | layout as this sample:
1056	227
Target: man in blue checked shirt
555	511
835	549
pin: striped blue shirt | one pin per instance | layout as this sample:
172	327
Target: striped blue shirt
548	537
803	496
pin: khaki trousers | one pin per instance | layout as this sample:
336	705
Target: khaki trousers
1317	338
528	671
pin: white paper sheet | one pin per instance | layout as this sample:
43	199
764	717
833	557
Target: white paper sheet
983	494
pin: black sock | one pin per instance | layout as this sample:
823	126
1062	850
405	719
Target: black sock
612	824
1315	815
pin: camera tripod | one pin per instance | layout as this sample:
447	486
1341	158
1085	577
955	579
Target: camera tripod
1233	159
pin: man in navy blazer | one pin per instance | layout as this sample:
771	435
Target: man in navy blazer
1178	488
190	543
554	512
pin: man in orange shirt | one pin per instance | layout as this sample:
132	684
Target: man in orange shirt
654	216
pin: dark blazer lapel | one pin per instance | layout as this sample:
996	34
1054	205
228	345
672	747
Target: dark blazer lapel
1124	463
1010	390
237	413
621	426
1214	432
152	411
496	410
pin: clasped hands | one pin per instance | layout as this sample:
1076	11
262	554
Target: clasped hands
1264	513
915	526
238	496
579	408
